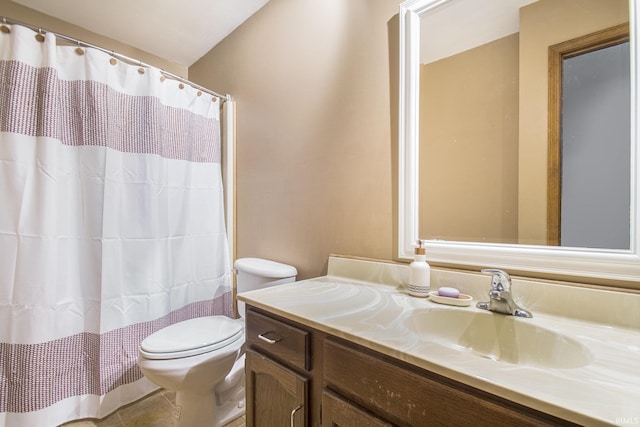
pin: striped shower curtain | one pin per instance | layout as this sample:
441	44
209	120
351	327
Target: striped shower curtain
111	224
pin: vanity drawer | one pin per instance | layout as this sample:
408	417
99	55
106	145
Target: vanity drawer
409	396
278	339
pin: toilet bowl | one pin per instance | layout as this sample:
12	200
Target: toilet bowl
202	359
192	357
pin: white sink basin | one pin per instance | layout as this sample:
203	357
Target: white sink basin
499	337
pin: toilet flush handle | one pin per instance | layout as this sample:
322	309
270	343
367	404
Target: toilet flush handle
263	336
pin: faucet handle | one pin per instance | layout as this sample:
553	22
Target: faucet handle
500	280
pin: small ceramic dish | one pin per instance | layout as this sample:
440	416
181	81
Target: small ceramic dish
463	300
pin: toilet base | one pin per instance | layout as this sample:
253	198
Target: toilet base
194	409
230	411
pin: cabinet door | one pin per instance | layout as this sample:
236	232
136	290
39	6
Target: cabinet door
337	412
276	396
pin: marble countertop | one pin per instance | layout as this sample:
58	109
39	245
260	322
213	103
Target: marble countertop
604	391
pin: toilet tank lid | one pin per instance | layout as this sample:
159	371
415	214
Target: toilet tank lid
265	268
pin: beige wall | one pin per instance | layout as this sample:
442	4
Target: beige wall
316	130
542	24
23	14
469	145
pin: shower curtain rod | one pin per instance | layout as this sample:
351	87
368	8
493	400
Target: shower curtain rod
125	58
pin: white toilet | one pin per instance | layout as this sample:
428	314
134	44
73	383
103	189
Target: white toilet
202	359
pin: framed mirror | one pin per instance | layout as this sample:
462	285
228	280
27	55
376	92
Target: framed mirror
478	124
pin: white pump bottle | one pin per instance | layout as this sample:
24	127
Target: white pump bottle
419	273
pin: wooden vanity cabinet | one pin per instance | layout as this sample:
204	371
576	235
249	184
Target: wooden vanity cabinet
405	395
279	369
332	382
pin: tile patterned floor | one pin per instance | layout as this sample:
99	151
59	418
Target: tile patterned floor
155	410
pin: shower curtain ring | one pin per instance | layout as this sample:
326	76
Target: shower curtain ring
4	27
79	50
39	37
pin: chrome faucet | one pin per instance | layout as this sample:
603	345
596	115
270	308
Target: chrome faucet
500	298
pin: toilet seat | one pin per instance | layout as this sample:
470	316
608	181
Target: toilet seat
192	337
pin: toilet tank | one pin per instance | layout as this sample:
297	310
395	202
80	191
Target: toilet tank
257	273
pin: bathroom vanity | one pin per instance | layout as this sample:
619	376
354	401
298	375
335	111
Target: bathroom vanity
351	349
308	377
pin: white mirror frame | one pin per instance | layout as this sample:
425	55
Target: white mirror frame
621	265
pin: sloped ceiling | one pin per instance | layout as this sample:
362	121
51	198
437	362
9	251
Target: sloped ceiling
180	31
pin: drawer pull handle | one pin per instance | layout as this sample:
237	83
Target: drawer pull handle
266	339
293	413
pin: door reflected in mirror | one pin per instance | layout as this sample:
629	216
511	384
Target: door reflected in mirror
589	168
488	170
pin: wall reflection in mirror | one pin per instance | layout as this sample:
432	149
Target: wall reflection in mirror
524	123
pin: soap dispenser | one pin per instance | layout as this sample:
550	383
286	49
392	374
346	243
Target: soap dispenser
419	273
